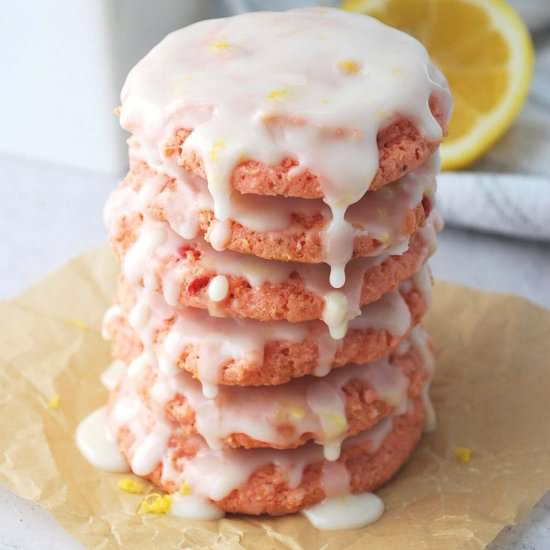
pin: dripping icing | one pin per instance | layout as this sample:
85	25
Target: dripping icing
229	125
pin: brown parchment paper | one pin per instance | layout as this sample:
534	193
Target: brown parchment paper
491	392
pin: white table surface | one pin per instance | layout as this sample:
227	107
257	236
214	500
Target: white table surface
49	214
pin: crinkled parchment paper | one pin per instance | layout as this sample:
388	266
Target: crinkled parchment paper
491	392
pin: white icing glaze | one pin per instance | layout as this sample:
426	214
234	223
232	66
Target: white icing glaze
214	472
143	264
246	93
149	451
209	390
305	405
389	312
420	342
139	315
196	508
335	479
145	247
379	215
345	512
112	375
422	281
218	288
218	341
97	443
219	235
326	349
110	314
241	86
335	313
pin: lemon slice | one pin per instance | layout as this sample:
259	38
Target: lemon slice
484	50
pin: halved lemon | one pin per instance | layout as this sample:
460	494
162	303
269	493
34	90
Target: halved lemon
484	50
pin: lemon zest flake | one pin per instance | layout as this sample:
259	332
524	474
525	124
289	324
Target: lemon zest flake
155	503
182	83
220	45
336	422
77	324
296	411
185	489
384	238
54	401
348	66
289	409
131	486
279	94
463	454
216	148
169	150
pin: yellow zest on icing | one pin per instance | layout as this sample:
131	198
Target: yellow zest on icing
181	83
296	411
288	409
277	94
325	101
130	485
396	71
337	422
185	489
348	66
54	402
155	504
393	398
77	323
169	150
463	454
217	146
383	238
220	45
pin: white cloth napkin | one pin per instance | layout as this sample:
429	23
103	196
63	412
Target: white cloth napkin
511	192
509	204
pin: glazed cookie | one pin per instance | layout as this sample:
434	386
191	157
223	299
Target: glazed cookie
328	410
231	101
401	148
260	481
229	112
191	274
248	353
271	228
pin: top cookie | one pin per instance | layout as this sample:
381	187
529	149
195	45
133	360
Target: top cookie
311	103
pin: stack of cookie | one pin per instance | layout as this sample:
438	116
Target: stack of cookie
273	232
